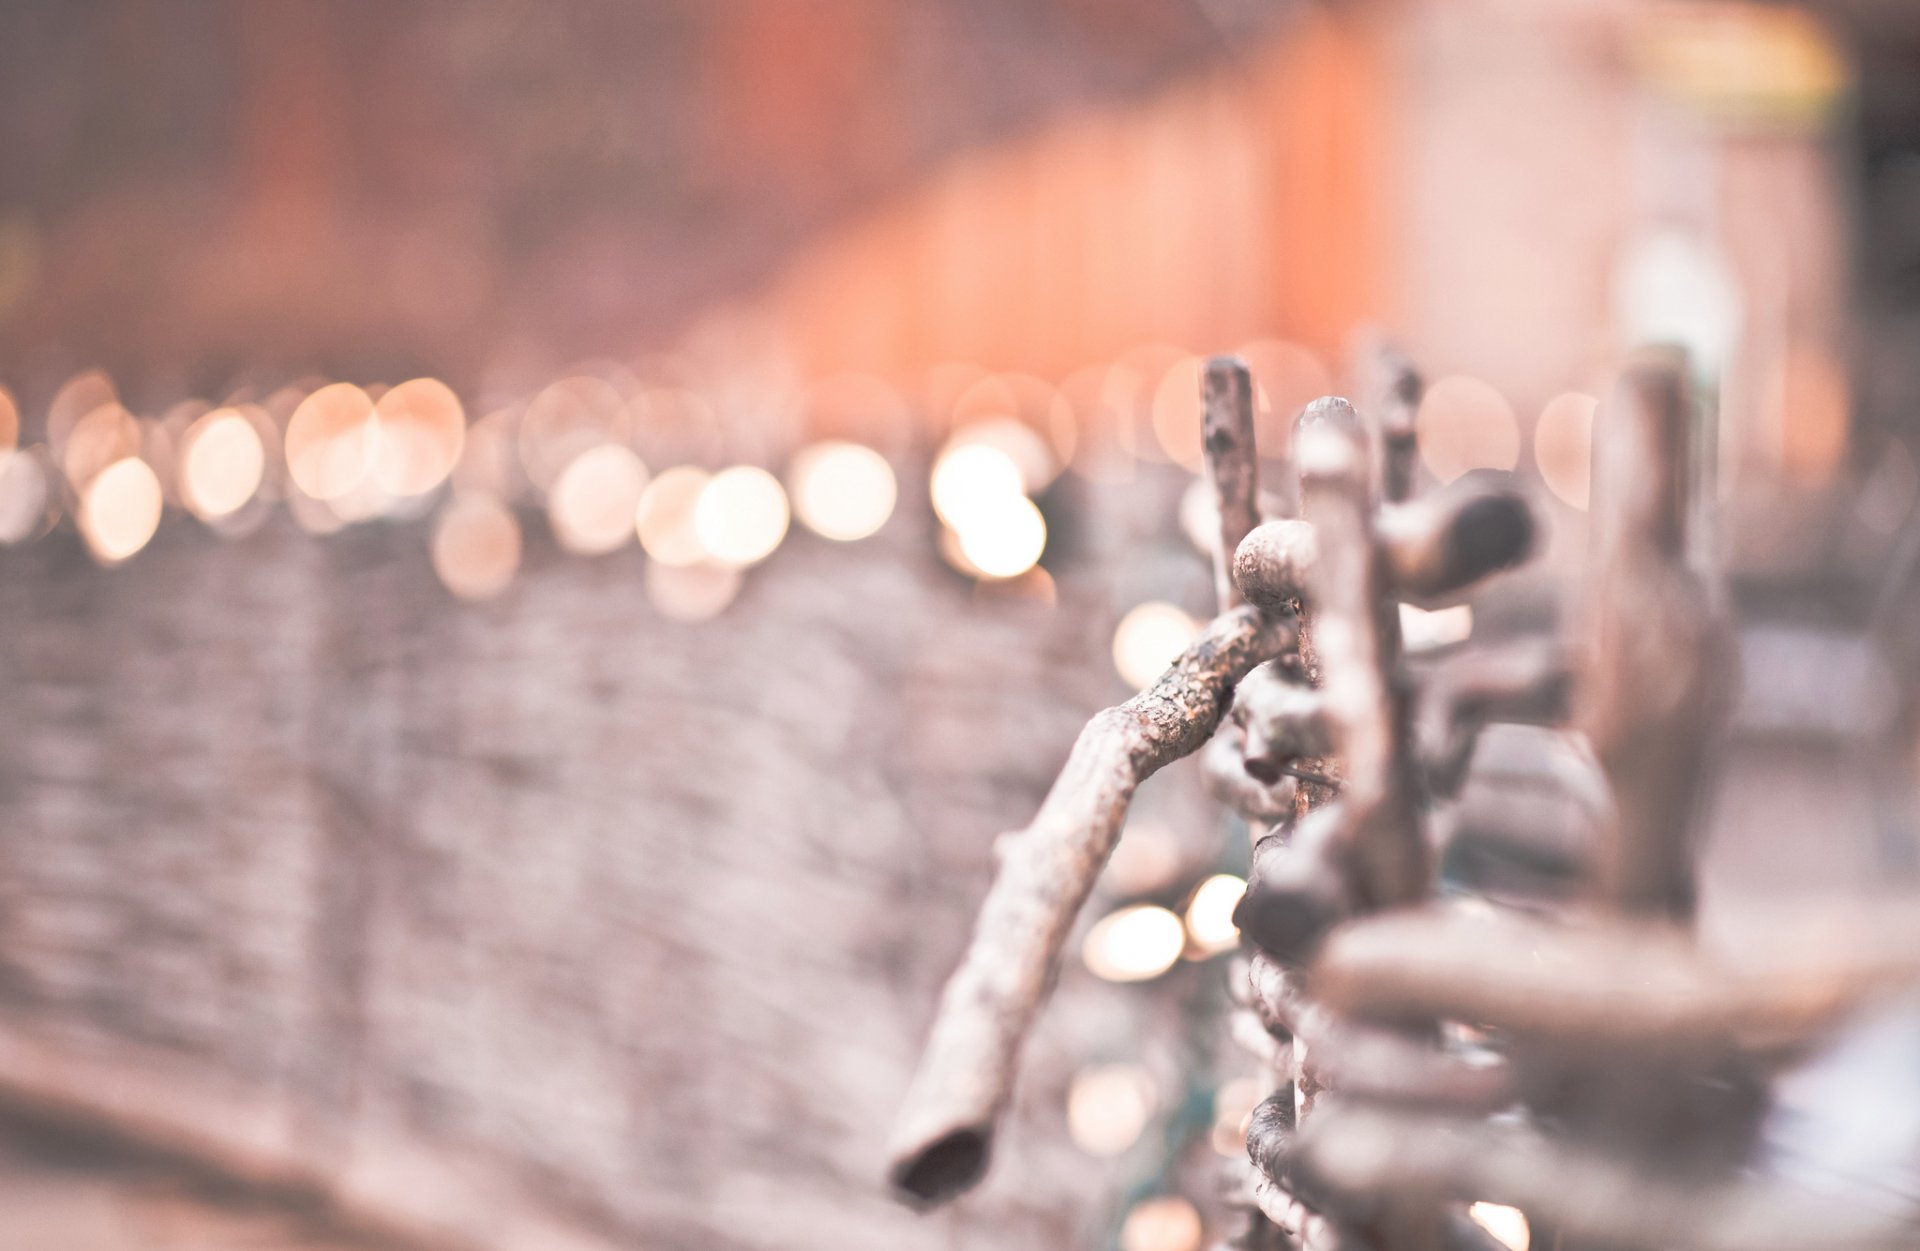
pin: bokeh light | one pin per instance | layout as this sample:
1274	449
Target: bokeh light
25	496
594	500
1423	629
77	396
691	593
418	432
1177	416
842	491
664	518
1210	927
9	421
1030	453
329	441
222	462
1134	943
1108	1105
1148	639
120	510
970	478
107	434
566	420
1465	423
1162	1223
1508	1225
1233	1106
1563	446
741	515
476	547
1004	539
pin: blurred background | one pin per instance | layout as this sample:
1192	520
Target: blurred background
544	540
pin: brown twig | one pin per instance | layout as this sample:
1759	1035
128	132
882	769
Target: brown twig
1591	1197
1443	542
1660	678
1355	632
1599	990
1270	565
945	1130
1232	468
1392	388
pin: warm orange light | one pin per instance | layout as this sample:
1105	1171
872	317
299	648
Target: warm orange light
1563	446
1423	629
1465	423
1162	1223
565	420
842	490
101	437
120	510
1148	639
1210	927
1004	538
1134	943
329	443
24	496
1176	412
664	518
1507	1225
1233	1106
418	432
594	500
973	477
1023	445
9	421
476	547
79	395
741	515
222	461
1107	1107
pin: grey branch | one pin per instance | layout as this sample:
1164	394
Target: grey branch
1604	989
945	1130
1270	565
1446	541
1660	679
1232	468
1590	1197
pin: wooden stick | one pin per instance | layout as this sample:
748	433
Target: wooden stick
1446	541
945	1130
1590	1196
1392	388
1605	989
1661	673
1232	468
1355	632
1270	565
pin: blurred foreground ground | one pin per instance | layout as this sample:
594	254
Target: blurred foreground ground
61	1193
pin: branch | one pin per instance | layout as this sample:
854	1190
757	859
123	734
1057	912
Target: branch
944	1134
1232	468
1442	543
1354	630
1661	675
1591	1198
1392	389
1602	990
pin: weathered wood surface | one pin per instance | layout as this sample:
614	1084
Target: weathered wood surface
545	921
